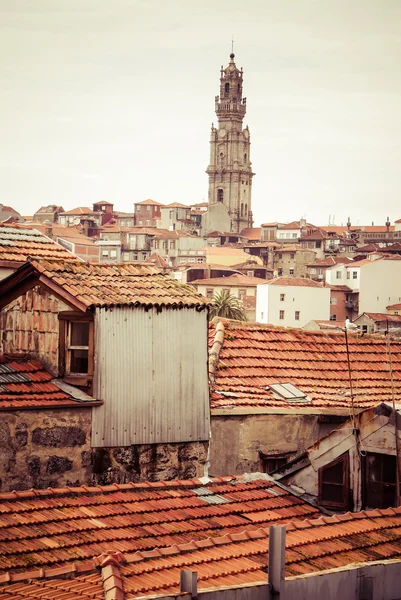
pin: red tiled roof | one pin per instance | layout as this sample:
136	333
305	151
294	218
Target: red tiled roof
330	261
158	261
382	317
52	585
294	225
44	528
311	546
26	384
49	209
369	248
253	357
234	559
393	306
340	288
252	233
175	205
18	242
80	210
149	201
113	284
316	234
294	281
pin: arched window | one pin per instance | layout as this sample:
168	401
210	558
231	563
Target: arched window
242	209
245	157
246	210
239	88
226	89
220	195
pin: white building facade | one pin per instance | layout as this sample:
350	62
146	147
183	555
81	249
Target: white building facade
292	302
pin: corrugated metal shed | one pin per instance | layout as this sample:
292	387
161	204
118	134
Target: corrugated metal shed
151	373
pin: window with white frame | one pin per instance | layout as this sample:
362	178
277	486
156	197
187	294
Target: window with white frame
281	314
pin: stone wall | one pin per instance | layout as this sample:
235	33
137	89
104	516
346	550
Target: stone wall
298	264
237	439
149	462
44	448
30	324
51	448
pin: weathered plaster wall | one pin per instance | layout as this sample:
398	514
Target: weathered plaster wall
30	324
237	440
44	448
149	462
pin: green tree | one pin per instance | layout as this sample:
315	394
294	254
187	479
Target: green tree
227	306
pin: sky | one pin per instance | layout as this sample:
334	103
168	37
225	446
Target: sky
114	100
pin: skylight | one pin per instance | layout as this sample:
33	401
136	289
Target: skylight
288	392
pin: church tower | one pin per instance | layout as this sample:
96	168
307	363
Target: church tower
230	168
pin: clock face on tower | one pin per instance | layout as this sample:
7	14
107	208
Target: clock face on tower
222	133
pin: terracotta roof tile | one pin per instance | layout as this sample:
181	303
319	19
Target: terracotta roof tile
26	384
44	528
253	357
294	281
17	243
149	201
234	560
115	284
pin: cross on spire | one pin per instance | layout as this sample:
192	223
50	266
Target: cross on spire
232	44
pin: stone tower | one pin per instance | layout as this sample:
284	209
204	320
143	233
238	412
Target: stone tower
230	167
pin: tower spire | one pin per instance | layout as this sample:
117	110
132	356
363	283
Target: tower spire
230	168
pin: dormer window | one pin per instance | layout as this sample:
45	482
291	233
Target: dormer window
76	348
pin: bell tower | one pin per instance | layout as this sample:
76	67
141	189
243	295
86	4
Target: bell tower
230	168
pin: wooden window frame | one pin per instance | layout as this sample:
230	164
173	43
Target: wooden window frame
382	483
279	460
344	505
79	379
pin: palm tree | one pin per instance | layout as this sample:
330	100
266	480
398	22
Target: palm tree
227	306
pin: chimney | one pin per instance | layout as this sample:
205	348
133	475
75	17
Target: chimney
48	228
85	227
387	223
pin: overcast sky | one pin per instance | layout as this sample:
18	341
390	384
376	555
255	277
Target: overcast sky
114	100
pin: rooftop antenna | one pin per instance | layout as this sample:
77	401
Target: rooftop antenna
397	443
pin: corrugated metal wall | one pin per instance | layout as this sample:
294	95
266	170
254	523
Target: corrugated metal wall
151	373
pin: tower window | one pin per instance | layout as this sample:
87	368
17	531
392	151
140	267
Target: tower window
245	157
242	209
239	88
246	209
220	195
226	89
